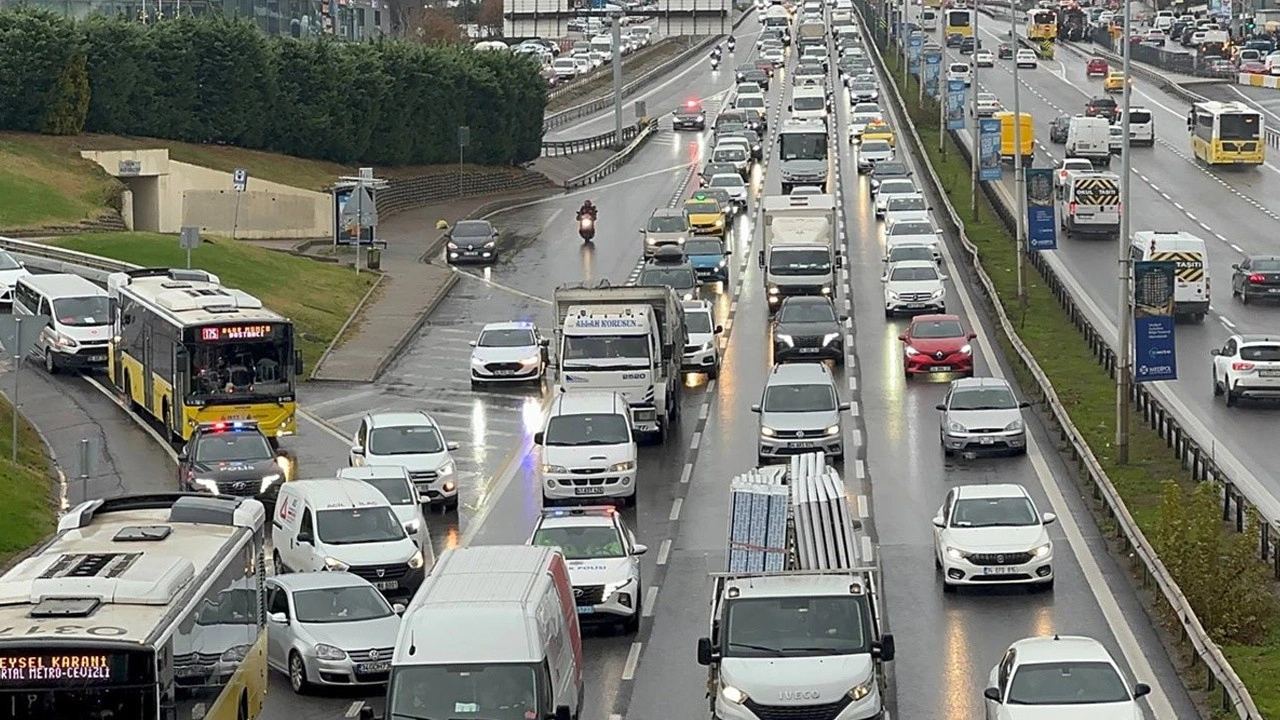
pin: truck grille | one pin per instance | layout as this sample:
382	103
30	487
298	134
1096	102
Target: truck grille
1018	558
588	594
388	572
825	711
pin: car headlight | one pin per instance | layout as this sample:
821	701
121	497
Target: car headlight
966	350
531	360
266	481
767	431
446	469
687	296
863	689
554	469
1014	426
206	484
329	652
733	695
719	222
1042	551
707	346
489	245
891	294
826	289
956	553
723	263
833	430
623	466
784	339
235	654
453	245
830	338
613	587
412	527
416	562
773	289
938	293
701	117
911	351
651	240
956	427
335	565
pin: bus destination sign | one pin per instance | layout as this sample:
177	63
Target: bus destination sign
51	669
218	333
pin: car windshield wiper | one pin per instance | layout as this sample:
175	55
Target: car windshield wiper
758	648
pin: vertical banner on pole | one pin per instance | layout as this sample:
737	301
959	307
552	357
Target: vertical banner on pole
1154	349
989	146
933	71
913	54
955	104
1042	229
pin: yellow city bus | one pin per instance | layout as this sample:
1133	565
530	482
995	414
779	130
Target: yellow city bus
1227	133
187	350
140	607
935	4
1042	24
959	22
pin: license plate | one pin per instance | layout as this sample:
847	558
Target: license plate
939	368
804	444
586	610
987	441
387	584
504	372
808	350
1269	373
588	491
97	358
996	570
915	306
374	667
1274	290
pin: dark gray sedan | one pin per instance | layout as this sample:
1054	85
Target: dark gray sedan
471	241
1256	278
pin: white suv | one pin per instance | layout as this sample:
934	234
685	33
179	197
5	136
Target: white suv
702	354
603	558
800	412
1247	366
986	534
588	451
414	441
914	286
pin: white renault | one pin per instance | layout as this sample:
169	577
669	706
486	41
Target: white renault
603	558
588	451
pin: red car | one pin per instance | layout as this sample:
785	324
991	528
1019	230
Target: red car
937	344
1097	66
1253	67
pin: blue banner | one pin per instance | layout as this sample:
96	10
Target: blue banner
1154	348
955	104
1042	230
932	71
989	149
913	54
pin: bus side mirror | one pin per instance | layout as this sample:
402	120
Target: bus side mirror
297	362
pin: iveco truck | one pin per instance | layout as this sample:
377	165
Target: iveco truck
623	339
800	253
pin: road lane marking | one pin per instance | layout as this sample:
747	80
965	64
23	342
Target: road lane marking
664	551
862	507
675	509
354	710
868	550
695	440
650	599
633	659
686	473
349	397
499	286
137	419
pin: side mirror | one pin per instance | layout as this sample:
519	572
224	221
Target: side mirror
278	617
944	278
885	649
1215	351
472	343
1141	689
183	456
903	337
357	451
1048	518
839	261
939	522
940	406
451	446
727	252
442	225
1236	266
706	653
755	408
304	537
843	406
790	109
719	329
1024	405
639	549
539	438
398	608
760	258
973	336
884	279
992	694
544	342
844	318
298	366
563	713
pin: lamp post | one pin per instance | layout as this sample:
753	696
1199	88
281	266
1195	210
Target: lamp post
1019	181
1124	376
616	23
977	124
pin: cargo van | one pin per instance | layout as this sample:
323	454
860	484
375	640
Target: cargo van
1089	138
588	451
394	483
1089	204
1191	262
602	44
79	312
345	525
808	102
493	633
1027	136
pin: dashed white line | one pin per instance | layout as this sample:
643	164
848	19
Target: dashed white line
711	384
695	441
863	510
686	473
868	550
860	469
629	668
703	411
664	551
650	600
1235	247
853	382
1230	325
675	509
853	408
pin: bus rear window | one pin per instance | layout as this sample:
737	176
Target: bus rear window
1238	127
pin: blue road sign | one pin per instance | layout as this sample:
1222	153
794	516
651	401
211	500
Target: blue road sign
240	179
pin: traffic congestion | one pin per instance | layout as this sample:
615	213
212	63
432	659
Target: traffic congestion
739	441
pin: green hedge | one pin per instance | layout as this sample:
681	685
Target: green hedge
215	79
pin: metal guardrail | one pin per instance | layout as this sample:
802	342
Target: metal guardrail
618	159
1234	695
61	260
568	115
561	148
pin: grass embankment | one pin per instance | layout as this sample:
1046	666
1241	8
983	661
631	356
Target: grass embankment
1088	393
26	493
601	83
317	296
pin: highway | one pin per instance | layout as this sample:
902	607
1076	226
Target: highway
1233	210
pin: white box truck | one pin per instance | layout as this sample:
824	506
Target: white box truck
800	253
795	622
623	339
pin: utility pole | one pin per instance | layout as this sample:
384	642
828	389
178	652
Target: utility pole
1124	376
977	125
616	24
1019	179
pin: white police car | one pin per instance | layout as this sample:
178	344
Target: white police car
603	558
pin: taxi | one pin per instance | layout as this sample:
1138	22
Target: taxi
1114	82
879	131
707	216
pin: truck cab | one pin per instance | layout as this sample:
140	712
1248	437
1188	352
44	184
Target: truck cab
799	255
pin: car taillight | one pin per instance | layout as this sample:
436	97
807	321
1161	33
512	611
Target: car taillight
1241	366
1257	278
1071	208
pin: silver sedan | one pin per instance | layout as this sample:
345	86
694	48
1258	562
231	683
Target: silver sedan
329	628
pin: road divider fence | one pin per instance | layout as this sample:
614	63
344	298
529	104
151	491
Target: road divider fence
1153	406
605	140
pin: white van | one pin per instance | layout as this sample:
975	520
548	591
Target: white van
345	525
1089	138
393	481
602	44
1191	276
1089	204
79	312
808	102
493	633
1142	126
929	20
960	71
588	451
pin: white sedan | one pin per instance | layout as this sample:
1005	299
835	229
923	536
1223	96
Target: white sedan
508	352
988	104
1025	59
733	184
986	534
1066	168
1043	678
984	59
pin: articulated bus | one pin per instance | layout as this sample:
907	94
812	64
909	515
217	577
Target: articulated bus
187	350
1042	24
1227	133
959	22
141	607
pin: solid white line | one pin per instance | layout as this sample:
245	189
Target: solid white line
346	417
333	431
494	492
862	507
650	599
675	509
633	659
146	427
664	551
686	473
695	440
500	286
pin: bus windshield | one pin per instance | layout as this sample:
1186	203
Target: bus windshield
242	368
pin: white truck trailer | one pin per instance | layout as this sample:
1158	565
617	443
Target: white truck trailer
795	620
800	254
625	339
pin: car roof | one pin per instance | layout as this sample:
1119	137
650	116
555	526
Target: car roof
1253	339
585	402
913	264
318	580
583	516
669	212
936	317
408	418
510	325
994	490
1071	648
800	373
696	306
735	176
972	383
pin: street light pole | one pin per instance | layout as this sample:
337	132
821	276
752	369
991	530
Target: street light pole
977	124
1124	376
1019	180
617	76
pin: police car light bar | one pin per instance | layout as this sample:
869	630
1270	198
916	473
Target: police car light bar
224	425
580	511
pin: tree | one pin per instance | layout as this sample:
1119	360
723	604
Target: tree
68	100
489	17
434	26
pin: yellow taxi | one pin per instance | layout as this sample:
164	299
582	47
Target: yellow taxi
1114	82
879	131
706	215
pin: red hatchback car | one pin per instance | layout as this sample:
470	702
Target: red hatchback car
1097	66
937	344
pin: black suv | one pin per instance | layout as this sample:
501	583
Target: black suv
670	268
1058	129
1103	107
231	457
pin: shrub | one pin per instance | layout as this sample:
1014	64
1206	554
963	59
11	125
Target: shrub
68	102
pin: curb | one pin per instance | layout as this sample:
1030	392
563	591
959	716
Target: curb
355	312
